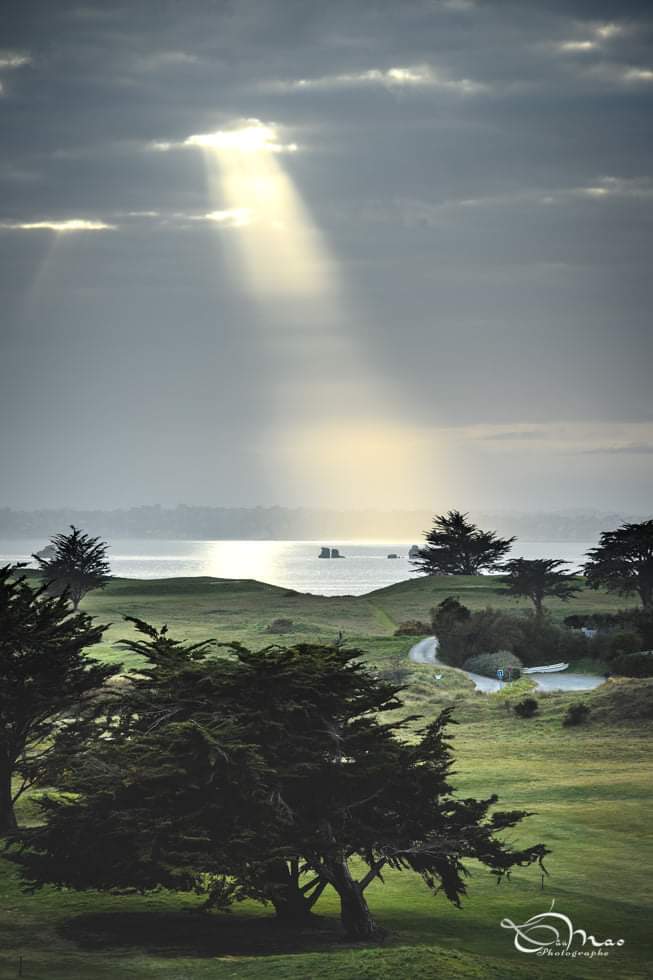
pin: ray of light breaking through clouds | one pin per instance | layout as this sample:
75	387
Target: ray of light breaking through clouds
325	255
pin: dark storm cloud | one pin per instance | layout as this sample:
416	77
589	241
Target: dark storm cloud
481	172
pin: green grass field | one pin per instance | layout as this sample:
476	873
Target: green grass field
590	789
230	609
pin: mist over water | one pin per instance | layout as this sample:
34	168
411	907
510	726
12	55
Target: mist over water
288	564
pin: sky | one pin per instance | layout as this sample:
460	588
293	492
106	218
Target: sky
372	255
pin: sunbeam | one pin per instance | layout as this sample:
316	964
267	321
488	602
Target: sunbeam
279	248
325	379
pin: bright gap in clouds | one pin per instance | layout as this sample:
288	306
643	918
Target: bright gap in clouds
252	138
280	251
68	225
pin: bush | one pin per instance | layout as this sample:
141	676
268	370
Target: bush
640	620
280	626
576	714
527	708
622	642
448	614
487	664
543	642
594	621
634	664
483	632
532	641
413	627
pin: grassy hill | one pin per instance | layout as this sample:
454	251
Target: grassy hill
232	609
589	789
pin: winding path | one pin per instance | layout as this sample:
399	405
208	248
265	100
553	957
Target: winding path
426	652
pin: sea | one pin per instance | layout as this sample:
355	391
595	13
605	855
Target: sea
364	567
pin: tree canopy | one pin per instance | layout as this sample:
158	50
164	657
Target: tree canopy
455	546
538	578
47	683
264	774
623	562
79	564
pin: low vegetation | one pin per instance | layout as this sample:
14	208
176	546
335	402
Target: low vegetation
488	664
526	708
576	714
634	664
584	783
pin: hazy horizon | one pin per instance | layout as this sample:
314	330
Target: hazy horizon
359	257
295	524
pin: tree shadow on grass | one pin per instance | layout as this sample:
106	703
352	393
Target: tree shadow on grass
188	934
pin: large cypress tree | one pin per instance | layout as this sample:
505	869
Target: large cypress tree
79	565
48	684
269	773
538	578
455	546
623	562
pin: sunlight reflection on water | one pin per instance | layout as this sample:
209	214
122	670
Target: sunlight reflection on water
289	564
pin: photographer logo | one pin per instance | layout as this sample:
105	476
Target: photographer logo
553	934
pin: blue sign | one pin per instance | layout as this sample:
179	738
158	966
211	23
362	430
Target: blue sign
500	673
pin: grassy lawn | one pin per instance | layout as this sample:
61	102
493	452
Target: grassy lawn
229	609
589	788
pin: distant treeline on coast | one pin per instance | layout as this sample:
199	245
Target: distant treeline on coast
294	524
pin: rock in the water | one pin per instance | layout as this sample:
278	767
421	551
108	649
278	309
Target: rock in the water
392	555
336	554
325	553
414	551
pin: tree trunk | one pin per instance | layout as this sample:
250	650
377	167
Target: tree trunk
290	904
7	815
355	915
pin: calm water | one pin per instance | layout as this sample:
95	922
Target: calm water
290	564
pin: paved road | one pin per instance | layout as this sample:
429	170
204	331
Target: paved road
426	652
566	681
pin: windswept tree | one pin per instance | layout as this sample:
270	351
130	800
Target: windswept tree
623	562
48	684
79	565
455	546
271	775
538	578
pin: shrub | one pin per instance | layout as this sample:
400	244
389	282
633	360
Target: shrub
527	708
487	664
448	614
576	714
541	642
640	620
483	632
634	664
622	642
595	621
532	640
413	627
280	626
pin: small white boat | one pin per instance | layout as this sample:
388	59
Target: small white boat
551	669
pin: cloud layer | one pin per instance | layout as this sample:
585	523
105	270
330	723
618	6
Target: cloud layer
479	175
